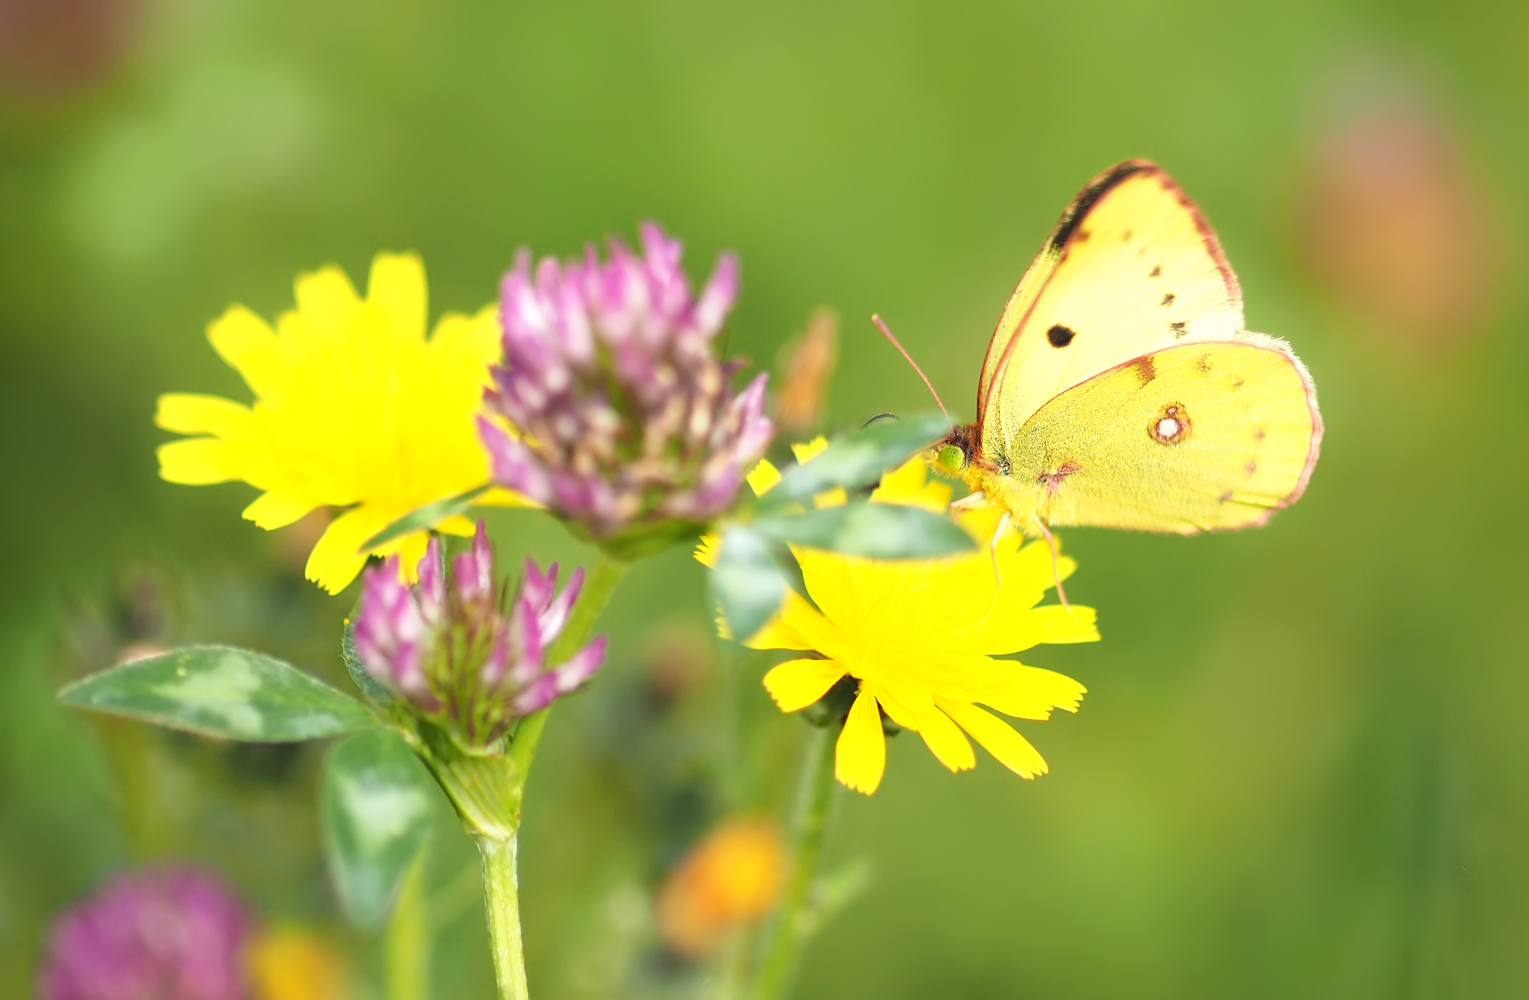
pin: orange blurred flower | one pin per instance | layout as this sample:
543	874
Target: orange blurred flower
806	363
1400	229
287	962
728	880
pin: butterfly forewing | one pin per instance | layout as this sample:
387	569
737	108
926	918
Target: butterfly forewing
1131	268
1198	437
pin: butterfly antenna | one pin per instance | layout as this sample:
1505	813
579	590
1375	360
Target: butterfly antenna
1056	573
875	318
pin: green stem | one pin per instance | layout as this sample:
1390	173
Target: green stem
501	896
581	623
498	846
796	917
406	947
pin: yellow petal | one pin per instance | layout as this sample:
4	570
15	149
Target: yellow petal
191	413
198	462
796	626
336	560
1074	623
458	525
1028	692
946	741
250	347
835	497
763	477
796	684
273	510
397	287
860	756
812	449
1010	749
904	703
326	299
410	549
907	485
498	497
706	554
475	336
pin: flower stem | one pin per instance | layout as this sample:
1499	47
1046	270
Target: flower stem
796	917
501	893
501	897
406	947
581	622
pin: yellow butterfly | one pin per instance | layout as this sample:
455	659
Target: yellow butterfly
1120	389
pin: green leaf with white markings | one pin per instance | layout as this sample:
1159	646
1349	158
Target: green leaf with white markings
877	530
858	459
233	694
375	810
748	581
426	517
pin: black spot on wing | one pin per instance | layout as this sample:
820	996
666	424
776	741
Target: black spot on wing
1145	369
1060	336
1079	209
1179	329
1156	272
1167	300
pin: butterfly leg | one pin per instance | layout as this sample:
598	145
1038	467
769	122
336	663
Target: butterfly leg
1003	524
1056	574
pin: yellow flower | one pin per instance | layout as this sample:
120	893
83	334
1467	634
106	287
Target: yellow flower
731	878
920	638
290	963
353	408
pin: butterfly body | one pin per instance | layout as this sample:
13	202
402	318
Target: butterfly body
1120	388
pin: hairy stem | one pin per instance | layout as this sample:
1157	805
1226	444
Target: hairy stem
501	897
796	917
501	892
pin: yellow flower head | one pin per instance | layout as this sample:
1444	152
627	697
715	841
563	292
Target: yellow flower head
288	962
920	636
353	408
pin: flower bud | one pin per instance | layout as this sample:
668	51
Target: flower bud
629	428
461	650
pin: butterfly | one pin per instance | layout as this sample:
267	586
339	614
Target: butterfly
1120	388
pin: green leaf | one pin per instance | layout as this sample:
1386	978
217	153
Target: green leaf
858	459
748	581
220	691
425	517
368	684
374	808
878	530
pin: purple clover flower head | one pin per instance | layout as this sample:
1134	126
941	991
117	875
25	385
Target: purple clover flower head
462	650
160	934
630	429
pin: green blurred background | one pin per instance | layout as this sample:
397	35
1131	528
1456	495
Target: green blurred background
1302	768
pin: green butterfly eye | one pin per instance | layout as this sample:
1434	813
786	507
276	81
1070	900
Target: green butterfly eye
952	458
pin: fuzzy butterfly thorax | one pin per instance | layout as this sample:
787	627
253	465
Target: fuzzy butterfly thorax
1120	388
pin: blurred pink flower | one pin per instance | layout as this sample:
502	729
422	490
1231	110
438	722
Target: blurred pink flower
165	934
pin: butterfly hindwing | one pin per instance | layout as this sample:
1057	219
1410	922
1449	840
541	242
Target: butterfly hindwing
1131	268
1196	437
